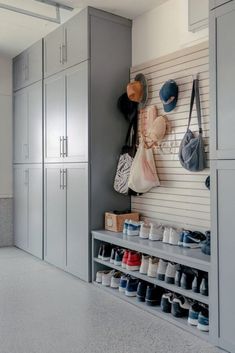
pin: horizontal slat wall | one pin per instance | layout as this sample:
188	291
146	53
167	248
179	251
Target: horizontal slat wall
182	199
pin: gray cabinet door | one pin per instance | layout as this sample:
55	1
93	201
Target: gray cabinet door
77	113
20	177
53	52
223	244
28	124
222	77
28	208
20	127
19	71
77	220
54	216
54	115
198	13
76	40
33	62
35	214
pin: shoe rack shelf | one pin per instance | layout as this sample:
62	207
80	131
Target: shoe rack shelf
156	311
189	257
173	288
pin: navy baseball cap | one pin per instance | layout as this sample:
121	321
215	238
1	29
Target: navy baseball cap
169	95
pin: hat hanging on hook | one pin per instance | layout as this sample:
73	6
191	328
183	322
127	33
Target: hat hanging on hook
137	90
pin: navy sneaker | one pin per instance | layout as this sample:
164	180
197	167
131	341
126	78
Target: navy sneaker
166	302
153	295
203	320
193	314
181	238
106	252
131	287
187	279
123	283
193	240
196	282
141	291
178	274
204	290
180	306
206	245
118	257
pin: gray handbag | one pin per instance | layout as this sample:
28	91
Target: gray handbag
192	150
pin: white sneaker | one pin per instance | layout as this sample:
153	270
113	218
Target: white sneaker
170	273
144	264
161	271
174	236
106	278
153	266
156	231
144	230
99	276
166	235
115	280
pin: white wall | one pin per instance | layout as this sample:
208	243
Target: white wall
163	30
5	127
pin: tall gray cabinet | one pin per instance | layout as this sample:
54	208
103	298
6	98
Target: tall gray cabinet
222	149
27	150
86	63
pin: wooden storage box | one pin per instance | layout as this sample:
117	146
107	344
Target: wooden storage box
114	222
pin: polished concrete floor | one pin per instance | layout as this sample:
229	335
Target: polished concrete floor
44	310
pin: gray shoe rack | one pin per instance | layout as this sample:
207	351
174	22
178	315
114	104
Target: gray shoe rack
189	257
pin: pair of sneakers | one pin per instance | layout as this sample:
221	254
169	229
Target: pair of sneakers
128	285
109	278
149	293
151	231
131	260
199	316
191	239
158	268
149	265
175	304
171	235
131	227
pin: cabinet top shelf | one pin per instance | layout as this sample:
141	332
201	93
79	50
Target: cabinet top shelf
188	257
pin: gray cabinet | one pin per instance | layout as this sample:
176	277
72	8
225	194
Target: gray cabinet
215	3
27	66
223	230
28	124
222	76
67	46
28	208
66	115
66	217
198	13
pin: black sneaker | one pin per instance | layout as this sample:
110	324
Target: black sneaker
100	251
197	281
187	279
153	295
118	257
106	253
204	290
141	291
180	306
178	274
206	244
113	253
166	302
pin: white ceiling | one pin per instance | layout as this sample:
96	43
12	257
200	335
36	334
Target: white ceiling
18	31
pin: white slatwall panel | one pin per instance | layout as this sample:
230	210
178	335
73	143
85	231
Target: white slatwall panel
182	199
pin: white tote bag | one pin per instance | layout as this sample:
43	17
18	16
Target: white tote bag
143	173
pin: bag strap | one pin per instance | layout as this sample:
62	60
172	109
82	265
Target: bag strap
195	95
132	126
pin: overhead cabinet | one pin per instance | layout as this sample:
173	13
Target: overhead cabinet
28	208
27	122
67	45
222	76
198	13
27	66
66	115
216	3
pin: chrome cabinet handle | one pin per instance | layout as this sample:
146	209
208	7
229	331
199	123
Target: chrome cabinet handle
65	148
61	54
61	179
26	177
61	146
65	178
